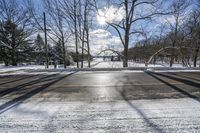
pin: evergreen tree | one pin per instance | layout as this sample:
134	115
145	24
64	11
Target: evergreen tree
14	43
39	50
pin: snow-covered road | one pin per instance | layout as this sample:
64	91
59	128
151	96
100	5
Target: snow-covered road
100	102
166	115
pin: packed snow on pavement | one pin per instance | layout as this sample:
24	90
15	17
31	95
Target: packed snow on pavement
40	115
31	108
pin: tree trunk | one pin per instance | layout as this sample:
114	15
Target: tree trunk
172	60
174	43
82	49
46	45
13	50
13	58
195	56
126	36
172	56
88	46
6	62
82	55
183	58
126	43
6	59
125	59
64	52
76	34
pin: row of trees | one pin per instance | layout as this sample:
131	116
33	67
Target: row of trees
182	32
15	30
127	27
70	19
181	42
68	24
65	21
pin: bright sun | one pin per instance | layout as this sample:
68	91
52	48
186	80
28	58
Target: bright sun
101	19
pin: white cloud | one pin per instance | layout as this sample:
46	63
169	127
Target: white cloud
100	33
101	39
110	14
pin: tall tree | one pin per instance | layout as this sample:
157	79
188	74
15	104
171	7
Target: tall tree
193	26
125	27
178	8
59	29
16	28
39	50
14	40
86	22
70	10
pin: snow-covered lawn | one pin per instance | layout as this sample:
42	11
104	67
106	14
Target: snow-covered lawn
25	69
96	64
117	64
13	68
99	63
39	115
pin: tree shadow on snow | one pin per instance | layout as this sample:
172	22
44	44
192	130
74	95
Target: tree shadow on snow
185	76
18	79
16	101
148	121
184	81
22	86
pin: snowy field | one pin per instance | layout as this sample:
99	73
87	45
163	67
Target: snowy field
152	116
99	63
117	64
96	64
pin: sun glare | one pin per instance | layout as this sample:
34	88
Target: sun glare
101	19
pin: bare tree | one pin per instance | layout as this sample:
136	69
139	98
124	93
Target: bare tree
176	36
70	10
193	25
125	28
40	24
178	8
86	22
58	28
75	22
